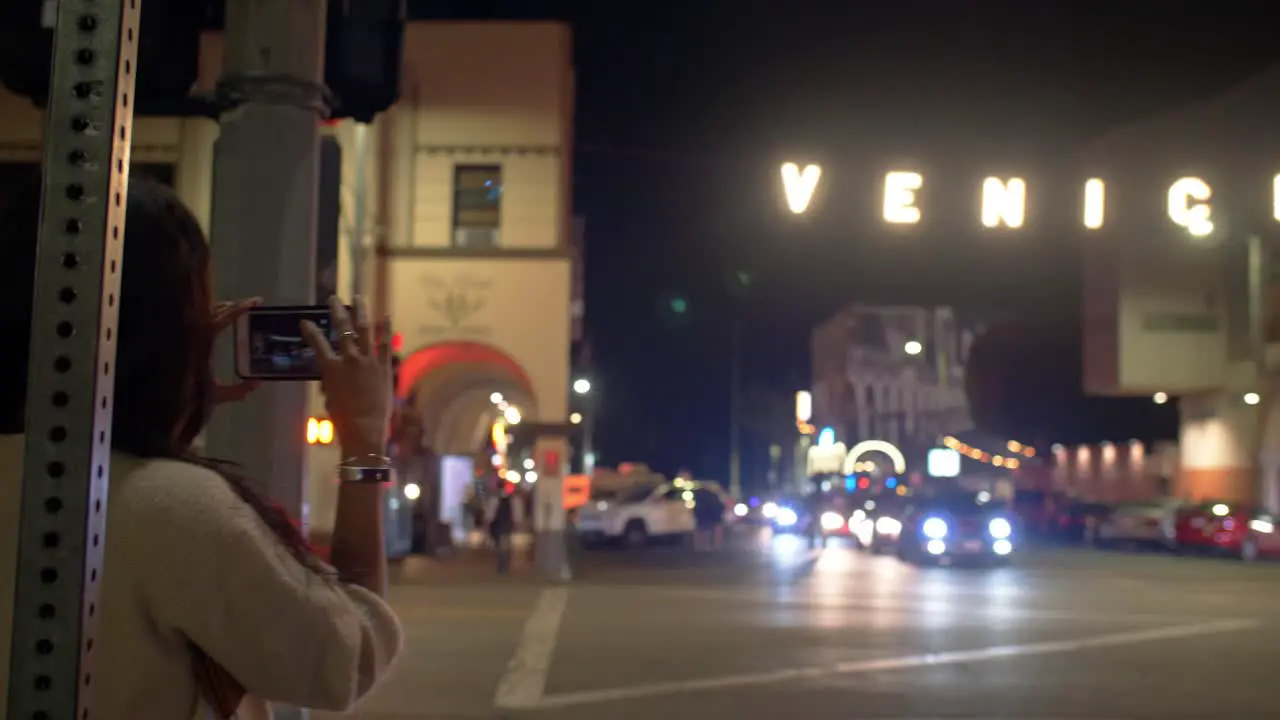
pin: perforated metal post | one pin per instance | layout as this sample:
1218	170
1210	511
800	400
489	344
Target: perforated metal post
68	428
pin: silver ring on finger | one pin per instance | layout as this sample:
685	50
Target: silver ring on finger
349	334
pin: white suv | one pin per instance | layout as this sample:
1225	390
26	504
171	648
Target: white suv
637	514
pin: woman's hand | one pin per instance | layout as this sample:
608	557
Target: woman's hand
356	379
225	315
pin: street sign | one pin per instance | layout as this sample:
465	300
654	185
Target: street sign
66	463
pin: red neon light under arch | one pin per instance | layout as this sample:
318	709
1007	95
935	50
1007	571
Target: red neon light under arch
429	359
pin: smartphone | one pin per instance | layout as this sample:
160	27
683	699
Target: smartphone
269	343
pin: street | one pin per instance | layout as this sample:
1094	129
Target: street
773	629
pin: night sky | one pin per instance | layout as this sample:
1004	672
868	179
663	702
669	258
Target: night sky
686	109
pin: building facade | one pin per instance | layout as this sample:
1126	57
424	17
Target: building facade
468	246
894	374
1180	295
1115	472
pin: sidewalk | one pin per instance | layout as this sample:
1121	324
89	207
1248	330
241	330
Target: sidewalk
462	623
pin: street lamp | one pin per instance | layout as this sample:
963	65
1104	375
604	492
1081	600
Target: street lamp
913	347
1252	398
512	415
495	398
586	418
1160	398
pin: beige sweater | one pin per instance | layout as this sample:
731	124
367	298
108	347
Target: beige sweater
185	558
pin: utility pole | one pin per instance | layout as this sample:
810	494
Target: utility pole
67	453
357	243
1258	269
266	180
588	434
735	409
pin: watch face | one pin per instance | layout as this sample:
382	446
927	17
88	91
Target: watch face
367	475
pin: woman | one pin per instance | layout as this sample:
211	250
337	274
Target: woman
212	599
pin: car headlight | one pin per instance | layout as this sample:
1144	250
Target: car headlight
832	521
740	510
999	528
888	526
769	510
934	528
786	517
856	519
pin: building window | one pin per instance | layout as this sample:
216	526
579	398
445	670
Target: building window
477	205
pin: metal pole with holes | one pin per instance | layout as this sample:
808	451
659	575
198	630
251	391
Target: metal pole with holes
68	429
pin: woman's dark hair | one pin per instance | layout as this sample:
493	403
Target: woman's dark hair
164	375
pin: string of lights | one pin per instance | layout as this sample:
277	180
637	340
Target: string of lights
1011	458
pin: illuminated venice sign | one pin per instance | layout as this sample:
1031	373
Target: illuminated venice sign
1004	199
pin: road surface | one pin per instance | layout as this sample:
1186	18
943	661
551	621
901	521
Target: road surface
772	629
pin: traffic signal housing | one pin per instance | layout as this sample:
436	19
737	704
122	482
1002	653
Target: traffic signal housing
364	41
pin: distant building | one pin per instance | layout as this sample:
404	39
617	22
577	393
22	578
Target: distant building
893	373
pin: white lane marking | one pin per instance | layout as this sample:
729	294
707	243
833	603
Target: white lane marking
880	603
950	657
526	678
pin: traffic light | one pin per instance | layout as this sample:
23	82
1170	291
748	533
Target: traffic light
168	53
364	40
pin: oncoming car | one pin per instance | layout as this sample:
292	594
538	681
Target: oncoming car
817	517
957	525
877	524
787	515
835	515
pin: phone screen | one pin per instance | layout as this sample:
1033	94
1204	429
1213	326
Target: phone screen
270	346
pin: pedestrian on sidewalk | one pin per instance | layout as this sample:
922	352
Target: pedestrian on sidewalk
708	513
504	512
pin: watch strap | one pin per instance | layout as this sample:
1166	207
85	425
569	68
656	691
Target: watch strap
366	475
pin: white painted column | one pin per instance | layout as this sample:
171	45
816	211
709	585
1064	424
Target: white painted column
193	176
403	137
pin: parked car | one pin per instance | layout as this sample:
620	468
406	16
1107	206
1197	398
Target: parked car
1150	524
1227	528
1078	521
1036	510
1261	538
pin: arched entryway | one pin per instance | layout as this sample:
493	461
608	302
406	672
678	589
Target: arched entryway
451	386
454	392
